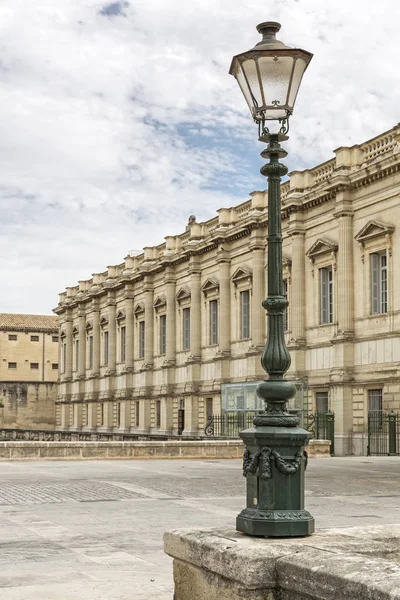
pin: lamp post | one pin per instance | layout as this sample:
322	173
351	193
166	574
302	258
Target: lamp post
269	76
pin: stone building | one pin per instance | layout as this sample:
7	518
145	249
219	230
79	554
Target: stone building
28	370
147	344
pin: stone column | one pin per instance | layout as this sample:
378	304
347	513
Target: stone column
167	415
191	416
92	416
171	319
224	332
258	319
129	322
82	346
149	324
144	415
195	312
96	342
298	300
77	416
69	343
345	276
112	337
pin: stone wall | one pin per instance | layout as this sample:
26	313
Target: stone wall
27	405
129	450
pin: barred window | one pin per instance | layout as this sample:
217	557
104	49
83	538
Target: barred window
12	365
321	402
375	400
158	413
105	348
34	338
12	337
35	366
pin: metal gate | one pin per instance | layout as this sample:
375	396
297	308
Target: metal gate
322	426
383	433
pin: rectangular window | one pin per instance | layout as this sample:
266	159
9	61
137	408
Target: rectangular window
101	414
64	357
90	352
35	366
286	312
12	337
54	338
213	322
163	334
158	413
12	365
119	415
321	402
186	328
326	295
54	366
105	349
375	400
244	314
378	283
123	343
76	355
34	338
137	412
141	339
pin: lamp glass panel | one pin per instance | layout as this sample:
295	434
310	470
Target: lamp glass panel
299	69
250	68
275	74
243	86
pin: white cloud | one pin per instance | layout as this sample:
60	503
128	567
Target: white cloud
116	127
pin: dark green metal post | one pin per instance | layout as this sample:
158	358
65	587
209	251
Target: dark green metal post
274	461
392	434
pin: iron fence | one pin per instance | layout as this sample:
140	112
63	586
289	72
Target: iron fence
383	433
320	424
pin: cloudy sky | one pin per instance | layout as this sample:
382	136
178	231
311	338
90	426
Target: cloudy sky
119	119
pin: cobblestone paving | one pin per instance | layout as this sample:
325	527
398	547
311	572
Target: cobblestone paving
77	491
93	530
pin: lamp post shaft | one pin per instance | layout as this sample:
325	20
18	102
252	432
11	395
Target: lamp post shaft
274	460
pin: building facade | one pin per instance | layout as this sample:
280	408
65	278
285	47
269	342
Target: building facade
28	370
147	344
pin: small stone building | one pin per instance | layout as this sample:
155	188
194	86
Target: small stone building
28	371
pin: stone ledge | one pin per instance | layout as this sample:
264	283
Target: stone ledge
337	564
25	450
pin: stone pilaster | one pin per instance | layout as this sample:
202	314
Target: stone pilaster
191	416
345	274
112	336
129	324
195	312
258	320
149	324
82	346
297	308
224	304
68	351
171	319
96	342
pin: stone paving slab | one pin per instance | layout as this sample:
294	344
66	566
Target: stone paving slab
93	530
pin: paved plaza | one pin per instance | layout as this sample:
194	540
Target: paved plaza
93	529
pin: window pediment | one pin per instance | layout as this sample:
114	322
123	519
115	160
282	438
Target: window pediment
320	247
104	320
160	302
139	309
210	285
183	294
242	274
75	330
373	229
286	261
89	325
121	313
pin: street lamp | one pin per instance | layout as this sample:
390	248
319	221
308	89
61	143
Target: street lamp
269	76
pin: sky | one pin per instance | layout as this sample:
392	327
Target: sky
119	119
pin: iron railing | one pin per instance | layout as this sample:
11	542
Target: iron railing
321	425
383	433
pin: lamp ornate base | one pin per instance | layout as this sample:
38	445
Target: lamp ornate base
275	523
